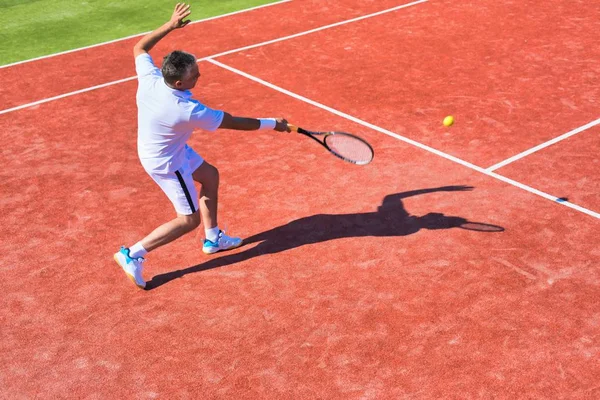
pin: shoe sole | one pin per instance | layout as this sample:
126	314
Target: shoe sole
218	250
131	277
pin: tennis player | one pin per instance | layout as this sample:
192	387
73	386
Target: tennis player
167	116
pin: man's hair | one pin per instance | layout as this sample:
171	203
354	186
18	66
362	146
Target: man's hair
176	64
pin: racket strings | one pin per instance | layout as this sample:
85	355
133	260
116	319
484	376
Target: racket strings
350	148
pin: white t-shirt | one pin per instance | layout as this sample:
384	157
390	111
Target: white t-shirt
166	118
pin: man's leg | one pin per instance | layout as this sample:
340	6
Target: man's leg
179	188
171	230
130	259
208	176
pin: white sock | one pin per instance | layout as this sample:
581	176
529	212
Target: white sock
137	250
212	234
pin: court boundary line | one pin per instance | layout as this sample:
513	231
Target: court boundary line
252	46
543	145
409	141
138	34
62	96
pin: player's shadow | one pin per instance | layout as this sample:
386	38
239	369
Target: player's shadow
390	219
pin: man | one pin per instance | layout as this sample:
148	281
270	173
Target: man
167	115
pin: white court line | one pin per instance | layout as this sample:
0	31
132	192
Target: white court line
543	145
139	34
409	141
62	96
221	54
389	10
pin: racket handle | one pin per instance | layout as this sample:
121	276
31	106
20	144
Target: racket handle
293	128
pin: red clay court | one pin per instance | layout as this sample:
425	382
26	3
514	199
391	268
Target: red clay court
354	282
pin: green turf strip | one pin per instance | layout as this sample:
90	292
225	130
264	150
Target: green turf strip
34	28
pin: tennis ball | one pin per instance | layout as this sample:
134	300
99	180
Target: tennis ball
449	120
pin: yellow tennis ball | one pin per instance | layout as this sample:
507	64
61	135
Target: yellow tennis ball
449	120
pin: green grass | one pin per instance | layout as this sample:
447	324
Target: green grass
33	28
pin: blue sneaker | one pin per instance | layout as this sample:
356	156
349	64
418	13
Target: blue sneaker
132	267
223	242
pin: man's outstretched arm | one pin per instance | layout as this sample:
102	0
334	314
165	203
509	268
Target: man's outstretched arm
252	124
146	43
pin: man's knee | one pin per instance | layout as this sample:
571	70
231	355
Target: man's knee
214	176
207	175
190	222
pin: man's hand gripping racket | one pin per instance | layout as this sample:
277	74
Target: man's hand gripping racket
344	145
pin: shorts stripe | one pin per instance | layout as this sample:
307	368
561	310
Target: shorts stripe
186	191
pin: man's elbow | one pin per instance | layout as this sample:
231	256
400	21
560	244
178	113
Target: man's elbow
227	122
138	49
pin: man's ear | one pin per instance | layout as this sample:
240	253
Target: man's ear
178	84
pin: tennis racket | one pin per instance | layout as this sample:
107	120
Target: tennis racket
348	147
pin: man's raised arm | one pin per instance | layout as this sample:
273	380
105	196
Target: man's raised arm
146	43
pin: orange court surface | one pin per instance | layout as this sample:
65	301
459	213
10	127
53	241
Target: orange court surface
354	282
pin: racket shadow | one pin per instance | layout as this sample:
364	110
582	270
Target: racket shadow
390	219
